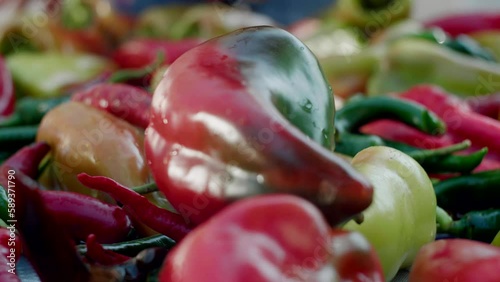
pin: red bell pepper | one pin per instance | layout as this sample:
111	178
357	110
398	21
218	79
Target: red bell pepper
467	23
7	98
124	101
245	114
456	260
271	238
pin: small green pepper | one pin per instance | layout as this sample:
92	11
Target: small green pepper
48	74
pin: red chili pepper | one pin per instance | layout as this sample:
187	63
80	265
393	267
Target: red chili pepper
461	122
467	23
138	53
456	260
124	101
26	160
7	98
10	250
398	131
82	215
158	219
271	238
49	247
98	255
488	105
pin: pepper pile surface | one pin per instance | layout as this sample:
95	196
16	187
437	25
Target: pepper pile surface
178	146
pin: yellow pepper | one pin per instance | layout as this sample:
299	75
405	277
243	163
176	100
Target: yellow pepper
84	139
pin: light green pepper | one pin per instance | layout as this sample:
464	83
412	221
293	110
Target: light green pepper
402	216
496	240
411	61
48	74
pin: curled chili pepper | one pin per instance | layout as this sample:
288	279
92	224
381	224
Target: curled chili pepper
7	98
273	133
124	101
25	161
97	254
160	220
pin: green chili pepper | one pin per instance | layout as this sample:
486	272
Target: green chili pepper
478	191
476	225
441	160
30	111
133	247
15	137
362	110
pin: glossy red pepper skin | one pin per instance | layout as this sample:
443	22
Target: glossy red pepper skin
158	219
141	52
7	98
6	248
25	160
270	238
245	114
124	101
456	260
467	23
488	105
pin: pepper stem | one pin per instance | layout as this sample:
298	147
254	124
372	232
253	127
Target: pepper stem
420	155
146	188
443	220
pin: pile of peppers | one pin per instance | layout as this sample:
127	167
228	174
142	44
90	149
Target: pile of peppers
176	146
